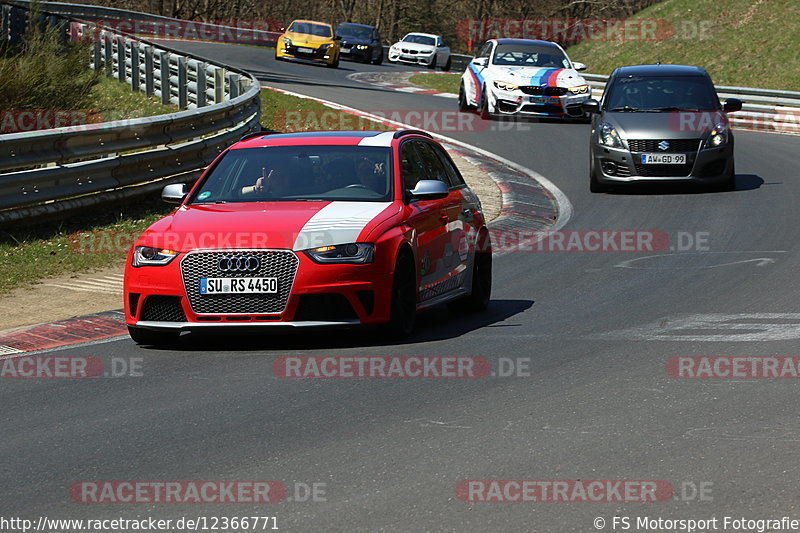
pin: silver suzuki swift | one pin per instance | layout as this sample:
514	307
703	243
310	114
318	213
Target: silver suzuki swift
659	124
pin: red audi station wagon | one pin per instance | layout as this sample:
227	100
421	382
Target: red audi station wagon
311	230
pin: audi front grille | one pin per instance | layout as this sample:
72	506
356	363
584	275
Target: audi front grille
280	264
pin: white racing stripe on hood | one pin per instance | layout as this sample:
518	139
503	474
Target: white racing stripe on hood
337	223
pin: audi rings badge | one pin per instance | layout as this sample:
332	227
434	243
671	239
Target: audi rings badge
239	263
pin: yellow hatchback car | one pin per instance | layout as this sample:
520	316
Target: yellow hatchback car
307	39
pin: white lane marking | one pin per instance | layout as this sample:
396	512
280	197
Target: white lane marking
565	209
8	350
337	223
714	327
759	261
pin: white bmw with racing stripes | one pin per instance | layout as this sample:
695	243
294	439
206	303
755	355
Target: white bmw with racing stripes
523	77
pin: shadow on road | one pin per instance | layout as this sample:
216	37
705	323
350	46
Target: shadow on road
744	182
435	324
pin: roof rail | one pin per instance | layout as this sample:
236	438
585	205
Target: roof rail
260	133
400	133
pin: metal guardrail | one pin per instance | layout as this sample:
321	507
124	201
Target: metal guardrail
56	170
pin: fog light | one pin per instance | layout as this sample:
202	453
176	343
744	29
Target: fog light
610	167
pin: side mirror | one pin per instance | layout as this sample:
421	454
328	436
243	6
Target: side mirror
175	193
732	104
430	190
578	66
480	61
590	106
337	38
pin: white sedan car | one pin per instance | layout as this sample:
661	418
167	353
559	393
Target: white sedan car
421	49
523	77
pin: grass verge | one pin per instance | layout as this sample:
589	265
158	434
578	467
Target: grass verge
739	42
446	83
29	253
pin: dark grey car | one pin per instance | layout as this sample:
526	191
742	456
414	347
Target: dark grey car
660	123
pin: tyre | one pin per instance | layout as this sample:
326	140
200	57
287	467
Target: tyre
432	64
594	184
730	182
151	337
478	300
379	59
462	98
335	63
485	112
447	65
404	299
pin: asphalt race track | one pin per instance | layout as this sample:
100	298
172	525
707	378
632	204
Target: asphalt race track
598	403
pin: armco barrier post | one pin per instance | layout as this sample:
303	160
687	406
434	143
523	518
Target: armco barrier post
166	85
108	58
219	85
183	81
135	66
120	58
233	85
149	65
202	84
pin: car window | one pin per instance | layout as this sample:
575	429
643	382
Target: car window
419	39
307	28
525	55
485	50
434	167
649	93
299	173
411	164
453	175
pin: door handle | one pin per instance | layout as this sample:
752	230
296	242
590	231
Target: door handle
444	218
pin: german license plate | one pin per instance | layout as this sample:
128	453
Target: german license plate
663	159
345	50
539	99
305	50
238	285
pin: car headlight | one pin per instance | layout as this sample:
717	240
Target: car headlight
362	46
354	253
506	86
579	89
287	41
149	256
325	46
608	135
718	136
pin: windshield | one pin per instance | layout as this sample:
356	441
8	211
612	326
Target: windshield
689	93
529	56
318	30
354	32
299	173
419	39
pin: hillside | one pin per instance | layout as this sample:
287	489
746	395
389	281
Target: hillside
740	42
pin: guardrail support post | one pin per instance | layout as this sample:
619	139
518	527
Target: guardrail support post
233	85
135	66
108	59
5	15
219	85
17	22
97	52
122	45
202	85
183	81
166	86
149	82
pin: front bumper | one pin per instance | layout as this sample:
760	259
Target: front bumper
411	58
321	295
704	166
519	103
319	54
357	54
